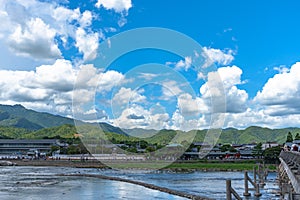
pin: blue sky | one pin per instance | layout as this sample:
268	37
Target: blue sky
48	47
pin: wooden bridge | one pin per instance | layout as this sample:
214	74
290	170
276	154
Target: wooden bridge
289	174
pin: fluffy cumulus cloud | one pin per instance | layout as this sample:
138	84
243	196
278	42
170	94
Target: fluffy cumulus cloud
87	44
219	95
258	117
110	79
180	122
207	57
275	106
137	116
126	95
43	30
190	106
60	76
119	6
280	95
46	88
116	5
51	87
35	39
221	91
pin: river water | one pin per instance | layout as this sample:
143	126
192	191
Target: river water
35	183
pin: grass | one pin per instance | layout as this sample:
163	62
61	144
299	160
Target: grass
219	165
213	166
187	166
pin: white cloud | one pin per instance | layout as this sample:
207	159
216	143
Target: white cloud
87	43
60	76
122	21
110	29
275	106
46	31
110	79
138	117
86	19
184	64
147	76
126	95
51	87
88	76
258	117
221	93
190	106
63	14
48	87
217	56
170	89
116	5
35	39
280	95
209	55
179	122
35	29
281	69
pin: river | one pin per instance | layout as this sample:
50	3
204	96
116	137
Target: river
35	183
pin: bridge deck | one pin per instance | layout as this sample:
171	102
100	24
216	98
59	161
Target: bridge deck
291	164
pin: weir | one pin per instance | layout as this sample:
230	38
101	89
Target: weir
146	185
289	174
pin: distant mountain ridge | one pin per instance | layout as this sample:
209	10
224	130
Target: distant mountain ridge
18	122
20	117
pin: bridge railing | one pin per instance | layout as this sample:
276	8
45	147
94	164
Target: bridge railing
292	159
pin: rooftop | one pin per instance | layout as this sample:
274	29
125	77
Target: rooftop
27	141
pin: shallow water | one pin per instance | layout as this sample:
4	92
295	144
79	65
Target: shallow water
37	183
209	184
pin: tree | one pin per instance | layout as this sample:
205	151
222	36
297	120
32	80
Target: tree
150	149
297	137
257	151
54	148
271	155
289	137
227	147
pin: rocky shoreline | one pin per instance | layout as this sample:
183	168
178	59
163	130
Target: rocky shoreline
60	163
7	163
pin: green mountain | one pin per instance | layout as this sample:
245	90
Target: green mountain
40	124
19	122
63	131
111	129
250	134
162	137
12	132
20	117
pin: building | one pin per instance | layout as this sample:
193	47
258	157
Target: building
20	146
296	142
269	145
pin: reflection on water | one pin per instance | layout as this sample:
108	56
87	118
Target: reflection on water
42	182
209	184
